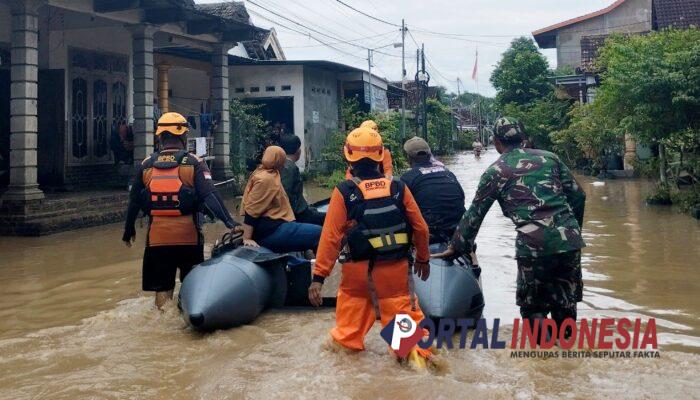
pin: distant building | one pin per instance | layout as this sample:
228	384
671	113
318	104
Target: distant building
305	96
412	93
577	40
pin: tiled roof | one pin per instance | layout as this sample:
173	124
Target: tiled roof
232	10
579	19
676	13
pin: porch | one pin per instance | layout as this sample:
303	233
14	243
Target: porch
74	73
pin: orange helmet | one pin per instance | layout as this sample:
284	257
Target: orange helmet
371	125
364	143
173	123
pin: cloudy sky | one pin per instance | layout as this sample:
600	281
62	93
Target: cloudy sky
488	25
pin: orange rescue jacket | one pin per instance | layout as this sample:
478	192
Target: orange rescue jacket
337	224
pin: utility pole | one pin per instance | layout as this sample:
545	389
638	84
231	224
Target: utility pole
419	113
424	94
403	80
458	114
369	68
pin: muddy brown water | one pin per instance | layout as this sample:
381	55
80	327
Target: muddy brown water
74	323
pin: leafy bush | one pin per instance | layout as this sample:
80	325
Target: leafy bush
439	132
248	129
590	135
687	200
660	195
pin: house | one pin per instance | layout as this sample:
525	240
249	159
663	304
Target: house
412	93
577	40
71	70
305	96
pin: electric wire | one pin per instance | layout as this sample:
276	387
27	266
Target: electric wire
315	30
306	10
367	15
305	34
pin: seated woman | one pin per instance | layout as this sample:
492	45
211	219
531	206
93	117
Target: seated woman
269	219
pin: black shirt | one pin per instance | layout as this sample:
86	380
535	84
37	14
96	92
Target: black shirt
438	194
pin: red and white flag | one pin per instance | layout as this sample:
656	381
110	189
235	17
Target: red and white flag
476	63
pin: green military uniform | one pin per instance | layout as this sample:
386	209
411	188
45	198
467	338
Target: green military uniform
294	186
540	195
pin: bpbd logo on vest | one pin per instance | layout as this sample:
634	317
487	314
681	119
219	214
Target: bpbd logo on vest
594	338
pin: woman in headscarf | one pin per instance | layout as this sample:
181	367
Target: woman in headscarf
269	219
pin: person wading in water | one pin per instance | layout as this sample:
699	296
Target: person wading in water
536	190
171	186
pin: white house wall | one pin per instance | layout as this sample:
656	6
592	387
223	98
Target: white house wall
272	75
239	51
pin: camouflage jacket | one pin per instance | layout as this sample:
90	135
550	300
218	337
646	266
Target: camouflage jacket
539	194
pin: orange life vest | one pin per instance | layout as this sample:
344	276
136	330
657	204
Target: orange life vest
170	199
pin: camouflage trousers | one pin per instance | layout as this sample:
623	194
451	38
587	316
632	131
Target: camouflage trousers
550	284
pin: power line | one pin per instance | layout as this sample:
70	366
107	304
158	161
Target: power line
306	34
464	34
455	36
349	40
338	8
306	10
367	15
315	30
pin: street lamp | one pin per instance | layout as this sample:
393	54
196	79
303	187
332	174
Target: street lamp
369	68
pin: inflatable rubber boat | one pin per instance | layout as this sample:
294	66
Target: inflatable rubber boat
453	289
238	283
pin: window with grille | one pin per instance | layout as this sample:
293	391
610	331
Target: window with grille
79	118
98	104
99	118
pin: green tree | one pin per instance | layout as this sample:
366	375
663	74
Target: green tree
541	118
248	129
440	126
651	89
591	135
521	75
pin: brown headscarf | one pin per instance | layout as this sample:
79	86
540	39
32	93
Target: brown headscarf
264	195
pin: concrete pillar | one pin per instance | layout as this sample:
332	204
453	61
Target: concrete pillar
220	109
23	104
630	153
142	44
163	87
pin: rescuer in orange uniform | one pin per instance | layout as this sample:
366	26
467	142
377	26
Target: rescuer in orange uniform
172	186
386	167
379	221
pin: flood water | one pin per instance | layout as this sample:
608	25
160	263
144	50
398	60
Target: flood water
74	323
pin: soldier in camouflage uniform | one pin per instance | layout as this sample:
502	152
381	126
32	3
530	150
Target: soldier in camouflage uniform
540	195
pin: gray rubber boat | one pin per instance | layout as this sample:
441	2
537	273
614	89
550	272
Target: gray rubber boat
233	288
453	289
238	283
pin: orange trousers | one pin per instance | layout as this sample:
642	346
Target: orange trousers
354	312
